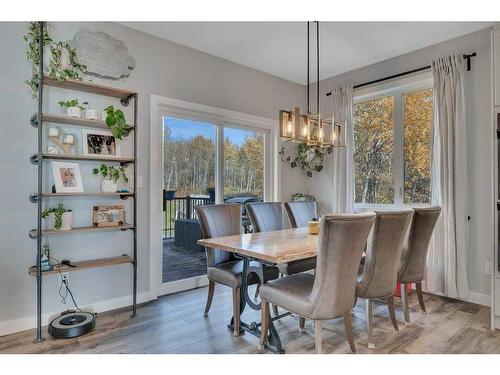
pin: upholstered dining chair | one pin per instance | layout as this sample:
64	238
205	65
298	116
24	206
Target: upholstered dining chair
377	277
223	267
329	293
300	213
266	217
414	255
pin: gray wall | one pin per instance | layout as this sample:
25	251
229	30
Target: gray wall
479	142
163	68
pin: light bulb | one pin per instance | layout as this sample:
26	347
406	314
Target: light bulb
289	127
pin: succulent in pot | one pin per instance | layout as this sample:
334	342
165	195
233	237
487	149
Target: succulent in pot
110	176
60	218
73	108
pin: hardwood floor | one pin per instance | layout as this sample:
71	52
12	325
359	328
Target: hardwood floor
175	324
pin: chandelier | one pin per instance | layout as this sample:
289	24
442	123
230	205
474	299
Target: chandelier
309	128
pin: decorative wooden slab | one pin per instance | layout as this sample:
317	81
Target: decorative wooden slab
87	158
86	264
46	232
277	247
63	119
93	88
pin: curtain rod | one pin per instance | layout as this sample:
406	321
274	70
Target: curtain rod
466	57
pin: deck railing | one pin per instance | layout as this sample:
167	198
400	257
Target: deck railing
179	208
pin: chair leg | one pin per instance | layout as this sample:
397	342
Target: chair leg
211	288
318	335
348	331
236	311
420	296
392	314
265	324
369	322
275	310
302	322
404	301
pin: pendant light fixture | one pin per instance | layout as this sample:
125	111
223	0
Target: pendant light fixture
311	128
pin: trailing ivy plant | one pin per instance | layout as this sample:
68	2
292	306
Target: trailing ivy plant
111	172
62	73
58	212
115	120
32	38
309	158
56	71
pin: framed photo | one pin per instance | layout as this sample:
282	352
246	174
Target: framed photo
67	177
100	143
108	216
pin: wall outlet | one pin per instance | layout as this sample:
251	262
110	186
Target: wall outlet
65	275
139	181
488	268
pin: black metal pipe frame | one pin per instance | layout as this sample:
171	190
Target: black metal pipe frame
134	264
465	56
308	81
39	337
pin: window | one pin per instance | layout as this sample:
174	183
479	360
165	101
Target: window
392	146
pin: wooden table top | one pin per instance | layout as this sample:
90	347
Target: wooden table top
277	247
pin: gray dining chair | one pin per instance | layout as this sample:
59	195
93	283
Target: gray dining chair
266	217
329	293
223	267
300	213
377	278
414	255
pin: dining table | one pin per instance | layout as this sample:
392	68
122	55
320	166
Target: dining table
267	249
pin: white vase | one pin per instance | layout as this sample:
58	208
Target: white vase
67	220
109	186
91	114
74	112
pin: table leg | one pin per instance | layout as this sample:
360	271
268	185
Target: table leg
273	340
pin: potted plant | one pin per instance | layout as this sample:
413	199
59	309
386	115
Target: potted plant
61	218
111	175
169	195
115	119
302	197
73	109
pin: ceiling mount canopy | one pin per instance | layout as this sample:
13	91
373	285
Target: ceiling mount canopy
311	128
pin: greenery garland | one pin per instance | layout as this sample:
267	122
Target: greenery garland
304	160
56	71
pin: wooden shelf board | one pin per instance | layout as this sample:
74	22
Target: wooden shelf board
63	119
93	88
90	194
86	264
87	158
46	232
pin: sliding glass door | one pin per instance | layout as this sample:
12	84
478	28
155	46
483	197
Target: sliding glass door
204	162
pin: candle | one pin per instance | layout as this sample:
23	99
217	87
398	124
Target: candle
53	132
69	139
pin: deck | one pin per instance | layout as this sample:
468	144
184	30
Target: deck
181	263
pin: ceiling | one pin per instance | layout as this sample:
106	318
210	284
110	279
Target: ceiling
279	48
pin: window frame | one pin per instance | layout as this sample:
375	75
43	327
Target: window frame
397	89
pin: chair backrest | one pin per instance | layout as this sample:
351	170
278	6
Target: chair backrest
265	216
299	213
416	244
342	239
383	254
217	220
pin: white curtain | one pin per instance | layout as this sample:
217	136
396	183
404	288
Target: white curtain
343	173
448	253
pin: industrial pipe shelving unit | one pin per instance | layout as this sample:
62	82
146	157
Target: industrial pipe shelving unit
38	120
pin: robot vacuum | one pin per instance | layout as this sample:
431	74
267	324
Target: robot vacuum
72	324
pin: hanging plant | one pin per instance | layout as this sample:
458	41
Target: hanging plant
64	62
115	120
63	58
309	158
32	37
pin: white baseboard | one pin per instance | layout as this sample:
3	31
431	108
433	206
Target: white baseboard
22	324
477	298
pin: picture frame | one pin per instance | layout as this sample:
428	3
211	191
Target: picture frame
67	177
100	143
108	216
